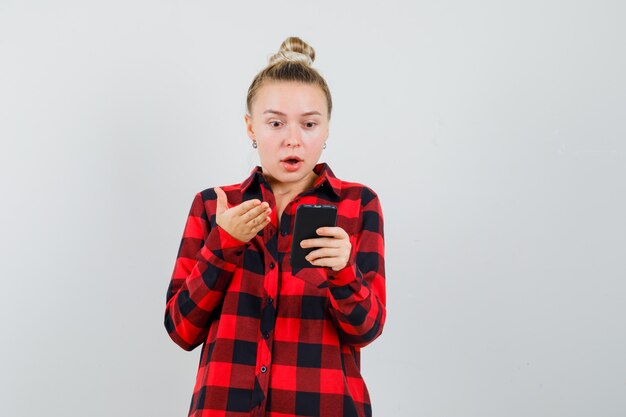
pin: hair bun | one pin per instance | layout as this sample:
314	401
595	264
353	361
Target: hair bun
294	49
292	63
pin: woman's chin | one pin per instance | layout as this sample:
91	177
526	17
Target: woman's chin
289	176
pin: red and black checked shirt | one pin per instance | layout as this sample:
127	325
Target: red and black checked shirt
278	342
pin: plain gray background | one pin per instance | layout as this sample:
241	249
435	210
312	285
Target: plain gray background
493	132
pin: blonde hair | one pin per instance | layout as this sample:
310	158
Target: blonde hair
292	62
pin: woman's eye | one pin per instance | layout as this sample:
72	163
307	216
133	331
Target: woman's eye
275	123
310	124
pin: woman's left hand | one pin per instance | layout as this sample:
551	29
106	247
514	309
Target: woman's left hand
334	250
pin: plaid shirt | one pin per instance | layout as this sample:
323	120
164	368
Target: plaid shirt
275	341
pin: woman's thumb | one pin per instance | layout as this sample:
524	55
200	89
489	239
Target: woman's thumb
222	200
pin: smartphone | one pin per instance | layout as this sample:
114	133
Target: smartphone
309	217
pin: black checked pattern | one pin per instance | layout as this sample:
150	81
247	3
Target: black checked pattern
276	341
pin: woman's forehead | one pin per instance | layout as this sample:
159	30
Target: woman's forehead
290	98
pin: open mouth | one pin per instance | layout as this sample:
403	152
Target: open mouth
291	163
292	159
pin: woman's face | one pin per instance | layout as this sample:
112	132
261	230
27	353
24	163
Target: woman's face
289	123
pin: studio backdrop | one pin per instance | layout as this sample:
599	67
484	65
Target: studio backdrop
493	133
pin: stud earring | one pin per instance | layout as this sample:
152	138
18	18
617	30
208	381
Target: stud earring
324	147
254	144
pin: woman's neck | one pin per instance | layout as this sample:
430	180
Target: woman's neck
282	189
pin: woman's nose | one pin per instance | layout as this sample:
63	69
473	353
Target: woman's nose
294	136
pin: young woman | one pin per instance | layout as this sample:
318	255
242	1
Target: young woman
277	341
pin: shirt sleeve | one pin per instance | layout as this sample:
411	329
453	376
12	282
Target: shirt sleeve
206	260
357	291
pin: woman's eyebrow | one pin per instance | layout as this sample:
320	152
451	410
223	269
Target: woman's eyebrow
309	113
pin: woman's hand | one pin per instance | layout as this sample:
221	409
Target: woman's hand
243	221
334	251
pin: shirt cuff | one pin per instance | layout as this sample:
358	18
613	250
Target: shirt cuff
223	245
344	276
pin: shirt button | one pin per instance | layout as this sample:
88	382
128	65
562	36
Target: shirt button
263	369
283	232
271	265
266	335
270	300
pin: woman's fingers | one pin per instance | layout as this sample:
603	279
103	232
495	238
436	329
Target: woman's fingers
334	231
244	220
256	216
244	207
332	251
337	239
335	262
261	224
321	242
250	211
323	253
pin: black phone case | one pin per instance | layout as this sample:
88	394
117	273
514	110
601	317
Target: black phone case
309	217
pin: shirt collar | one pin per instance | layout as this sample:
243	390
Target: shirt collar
325	176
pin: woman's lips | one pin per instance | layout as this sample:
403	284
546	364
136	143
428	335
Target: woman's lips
291	165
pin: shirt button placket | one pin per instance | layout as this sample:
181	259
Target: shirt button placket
272	274
269	300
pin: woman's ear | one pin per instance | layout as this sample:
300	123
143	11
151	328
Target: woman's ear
249	129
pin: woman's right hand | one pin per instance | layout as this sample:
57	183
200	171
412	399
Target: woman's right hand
243	221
